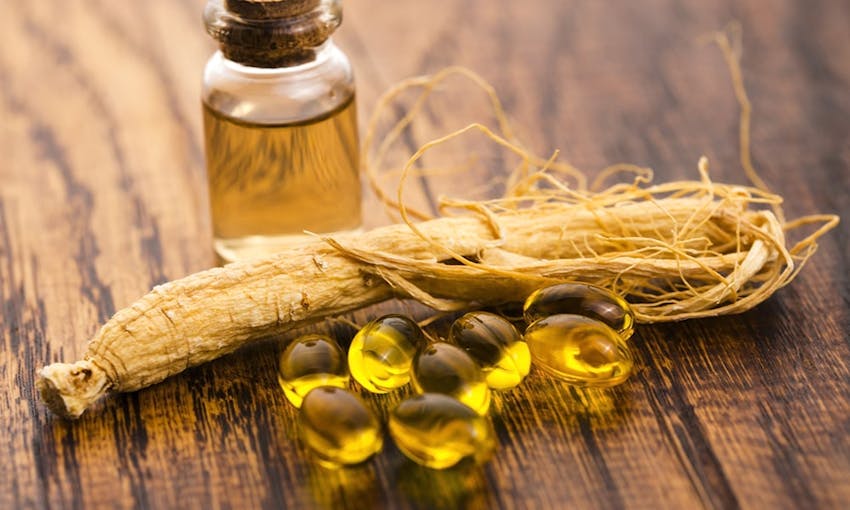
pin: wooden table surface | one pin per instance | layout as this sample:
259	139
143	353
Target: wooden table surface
103	196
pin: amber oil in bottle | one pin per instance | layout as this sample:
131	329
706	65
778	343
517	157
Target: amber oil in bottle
270	182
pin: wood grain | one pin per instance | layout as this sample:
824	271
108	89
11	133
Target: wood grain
103	197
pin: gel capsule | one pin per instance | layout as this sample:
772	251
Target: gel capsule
579	350
496	345
448	369
581	299
380	354
308	362
437	431
338	427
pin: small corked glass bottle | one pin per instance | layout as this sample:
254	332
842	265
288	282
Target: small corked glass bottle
280	126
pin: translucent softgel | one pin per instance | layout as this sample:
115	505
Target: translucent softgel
581	299
381	353
579	350
437	431
308	362
448	369
338	427
495	344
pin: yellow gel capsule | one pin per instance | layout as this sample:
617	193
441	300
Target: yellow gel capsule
381	353
448	369
579	350
495	344
338	427
581	299
308	362
437	431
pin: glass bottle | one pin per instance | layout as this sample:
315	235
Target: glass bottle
280	126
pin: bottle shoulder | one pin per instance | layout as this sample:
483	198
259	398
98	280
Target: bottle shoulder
279	95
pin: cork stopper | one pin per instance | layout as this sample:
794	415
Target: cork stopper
270	9
271	33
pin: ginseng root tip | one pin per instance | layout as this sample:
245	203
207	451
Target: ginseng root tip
68	389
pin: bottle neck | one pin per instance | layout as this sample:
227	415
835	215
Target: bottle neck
279	95
271	39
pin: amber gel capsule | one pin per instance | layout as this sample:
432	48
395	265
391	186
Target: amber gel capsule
308	362
338	427
380	354
579	350
496	345
437	431
581	299
448	369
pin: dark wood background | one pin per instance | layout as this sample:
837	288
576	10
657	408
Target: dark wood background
102	197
